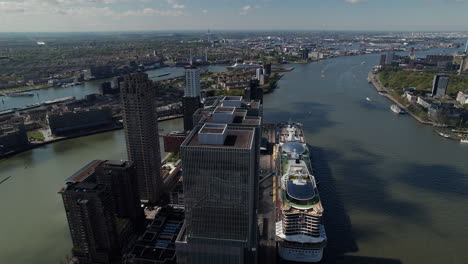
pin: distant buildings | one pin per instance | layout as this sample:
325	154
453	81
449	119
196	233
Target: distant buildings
462	97
191	99
75	121
305	54
13	136
266	68
106	88
440	85
254	93
100	72
141	133
389	58
383	59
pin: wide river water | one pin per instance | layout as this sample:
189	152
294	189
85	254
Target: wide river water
393	190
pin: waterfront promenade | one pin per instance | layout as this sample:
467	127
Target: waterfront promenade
374	79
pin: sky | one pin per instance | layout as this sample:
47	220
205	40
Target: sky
128	15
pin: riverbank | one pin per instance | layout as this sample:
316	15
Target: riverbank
374	79
22	89
77	135
390	95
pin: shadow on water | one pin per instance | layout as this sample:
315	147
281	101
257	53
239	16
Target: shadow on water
85	142
371	105
342	236
437	178
369	191
314	116
337	221
366	260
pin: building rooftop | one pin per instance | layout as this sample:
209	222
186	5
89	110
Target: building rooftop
157	244
116	163
232	138
84	172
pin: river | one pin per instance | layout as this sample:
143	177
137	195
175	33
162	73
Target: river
393	190
89	87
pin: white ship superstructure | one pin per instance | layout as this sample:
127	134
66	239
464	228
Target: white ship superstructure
300	232
244	66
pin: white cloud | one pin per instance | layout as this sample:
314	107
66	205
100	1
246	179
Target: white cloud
152	12
245	10
175	5
77	8
205	11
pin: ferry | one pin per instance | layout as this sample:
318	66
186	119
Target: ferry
445	135
300	232
396	109
464	140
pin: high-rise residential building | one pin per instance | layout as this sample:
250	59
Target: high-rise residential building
254	92
219	165
89	209
440	85
141	132
383	59
389	58
305	53
121	180
191	99
192	82
266	68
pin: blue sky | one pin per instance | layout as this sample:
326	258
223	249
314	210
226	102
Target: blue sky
111	15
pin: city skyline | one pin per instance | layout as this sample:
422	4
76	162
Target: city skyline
130	15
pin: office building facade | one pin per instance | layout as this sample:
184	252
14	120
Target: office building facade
440	85
219	194
141	133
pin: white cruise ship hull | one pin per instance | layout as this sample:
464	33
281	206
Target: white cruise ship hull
300	255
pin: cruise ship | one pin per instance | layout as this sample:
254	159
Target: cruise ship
300	231
244	66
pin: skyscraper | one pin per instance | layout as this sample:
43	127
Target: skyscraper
191	99
91	220
440	85
120	179
219	192
141	132
192	82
